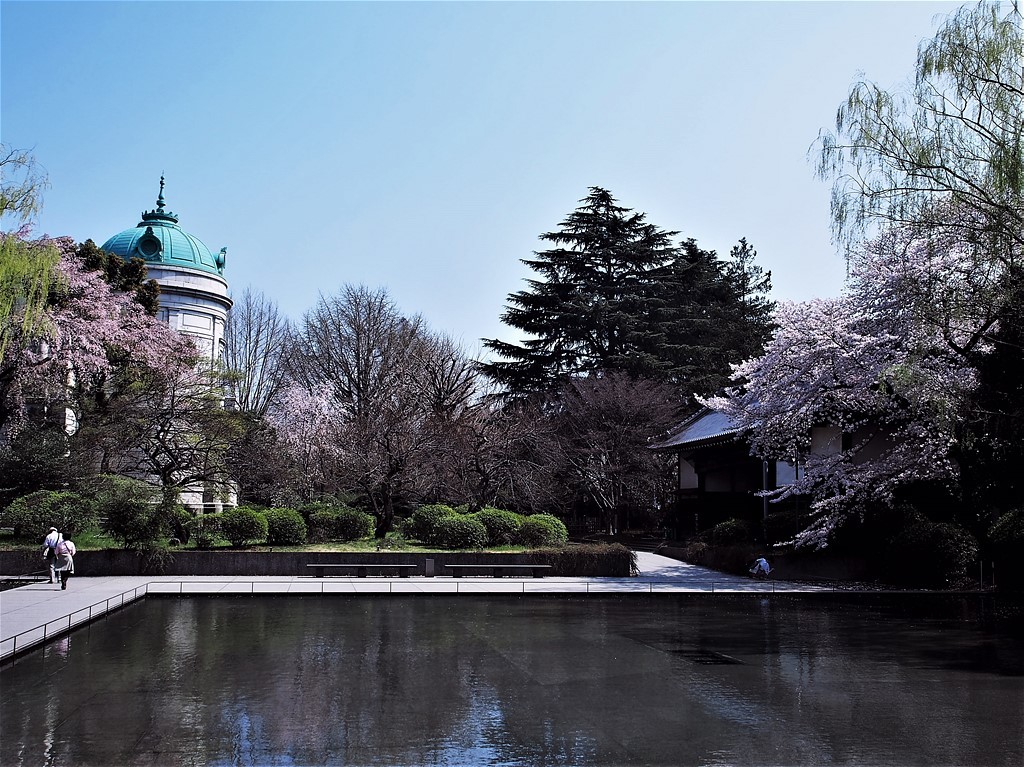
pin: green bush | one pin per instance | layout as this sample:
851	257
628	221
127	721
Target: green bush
543	530
931	555
132	511
244	525
353	525
34	514
422	523
502	526
340	524
459	532
320	524
729	532
285	527
205	529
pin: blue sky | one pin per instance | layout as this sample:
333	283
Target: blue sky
424	146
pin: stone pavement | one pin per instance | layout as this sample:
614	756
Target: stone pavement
36	612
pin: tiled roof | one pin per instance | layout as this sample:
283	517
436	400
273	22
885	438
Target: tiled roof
704	428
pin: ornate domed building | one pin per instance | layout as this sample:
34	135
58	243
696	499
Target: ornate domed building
194	301
193	292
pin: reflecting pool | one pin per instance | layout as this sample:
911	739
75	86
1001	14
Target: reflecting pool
534	680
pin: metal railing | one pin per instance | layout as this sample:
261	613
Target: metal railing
23	640
466	584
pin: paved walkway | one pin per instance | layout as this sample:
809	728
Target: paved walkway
31	614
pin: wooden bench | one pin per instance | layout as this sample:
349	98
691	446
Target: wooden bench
361	568
497	570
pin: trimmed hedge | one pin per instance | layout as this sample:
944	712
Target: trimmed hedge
34	514
285	527
542	530
459	532
502	526
422	523
340	524
244	525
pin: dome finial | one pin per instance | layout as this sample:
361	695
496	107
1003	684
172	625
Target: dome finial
160	198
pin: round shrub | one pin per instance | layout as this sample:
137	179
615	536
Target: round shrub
132	511
320	524
459	532
931	554
728	533
285	527
352	524
543	530
502	526
422	522
205	529
32	515
243	525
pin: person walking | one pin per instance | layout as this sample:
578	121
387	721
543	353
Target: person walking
64	564
50	548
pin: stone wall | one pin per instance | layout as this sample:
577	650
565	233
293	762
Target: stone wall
120	562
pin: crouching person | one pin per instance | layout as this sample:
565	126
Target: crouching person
64	561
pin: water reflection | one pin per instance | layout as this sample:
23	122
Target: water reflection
665	679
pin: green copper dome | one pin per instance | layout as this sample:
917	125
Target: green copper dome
158	239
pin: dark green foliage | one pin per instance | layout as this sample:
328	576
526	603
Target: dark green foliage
931	554
33	514
591	560
502	526
244	525
543	530
615	293
353	525
459	531
783	526
340	523
423	522
729	532
320	524
37	457
132	509
123	276
205	529
285	527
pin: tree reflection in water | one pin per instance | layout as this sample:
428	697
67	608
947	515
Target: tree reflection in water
666	679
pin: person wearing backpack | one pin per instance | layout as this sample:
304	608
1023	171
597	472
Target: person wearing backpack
64	561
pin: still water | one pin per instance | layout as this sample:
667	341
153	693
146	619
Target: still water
538	680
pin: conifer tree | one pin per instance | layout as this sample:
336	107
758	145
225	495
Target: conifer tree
615	294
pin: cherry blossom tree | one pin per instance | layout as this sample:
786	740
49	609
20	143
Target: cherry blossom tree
86	330
888	364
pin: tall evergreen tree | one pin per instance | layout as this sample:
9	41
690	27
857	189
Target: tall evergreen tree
585	310
616	294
